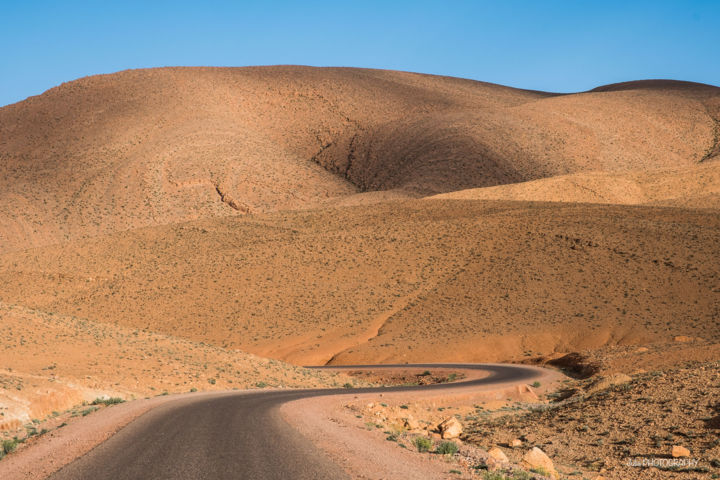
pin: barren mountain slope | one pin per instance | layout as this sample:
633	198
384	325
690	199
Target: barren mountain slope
149	147
421	280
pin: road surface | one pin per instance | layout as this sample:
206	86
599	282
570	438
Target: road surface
237	435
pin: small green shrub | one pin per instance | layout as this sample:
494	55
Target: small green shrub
107	401
540	471
348	385
494	476
423	444
521	475
9	446
88	411
447	448
193	390
536	384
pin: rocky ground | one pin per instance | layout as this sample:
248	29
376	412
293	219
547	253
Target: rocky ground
659	424
606	424
405	377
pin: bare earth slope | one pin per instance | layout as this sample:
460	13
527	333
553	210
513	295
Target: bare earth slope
152	147
690	186
399	282
52	362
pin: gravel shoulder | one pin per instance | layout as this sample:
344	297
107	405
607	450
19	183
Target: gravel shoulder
331	425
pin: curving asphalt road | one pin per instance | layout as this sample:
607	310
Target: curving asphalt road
237	435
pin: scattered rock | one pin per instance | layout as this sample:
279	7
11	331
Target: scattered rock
642	350
606	382
515	443
499	455
411	423
526	391
537	459
578	363
450	428
683	339
679	451
496	459
567	393
713	422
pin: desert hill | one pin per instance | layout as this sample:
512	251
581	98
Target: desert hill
695	186
153	147
417	281
156	225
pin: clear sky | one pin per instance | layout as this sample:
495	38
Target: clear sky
546	45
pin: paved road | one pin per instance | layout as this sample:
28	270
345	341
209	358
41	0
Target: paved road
234	436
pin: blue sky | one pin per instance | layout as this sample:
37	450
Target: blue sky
544	45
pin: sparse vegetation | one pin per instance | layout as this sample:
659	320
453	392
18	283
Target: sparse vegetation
540	471
422	444
107	401
392	436
495	476
9	446
447	448
88	411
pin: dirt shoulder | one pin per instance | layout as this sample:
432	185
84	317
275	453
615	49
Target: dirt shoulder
339	425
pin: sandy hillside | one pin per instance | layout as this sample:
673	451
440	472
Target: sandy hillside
151	147
418	281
